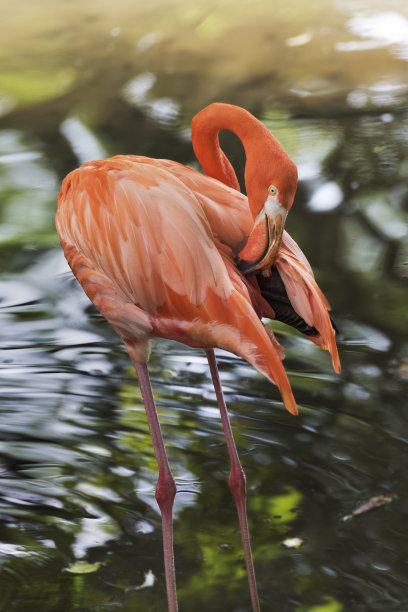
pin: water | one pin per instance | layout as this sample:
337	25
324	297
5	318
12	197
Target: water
79	525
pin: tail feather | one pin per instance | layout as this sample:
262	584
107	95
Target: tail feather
231	325
257	347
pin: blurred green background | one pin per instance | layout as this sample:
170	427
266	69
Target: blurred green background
79	526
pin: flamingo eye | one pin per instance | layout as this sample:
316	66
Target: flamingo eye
272	190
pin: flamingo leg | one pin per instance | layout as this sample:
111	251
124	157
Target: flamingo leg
237	480
166	486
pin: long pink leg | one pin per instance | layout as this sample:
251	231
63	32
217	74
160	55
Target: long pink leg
166	487
237	479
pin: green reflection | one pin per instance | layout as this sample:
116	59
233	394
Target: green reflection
280	507
30	87
83	568
330	605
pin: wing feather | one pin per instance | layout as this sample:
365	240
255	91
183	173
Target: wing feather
289	245
225	208
139	230
308	300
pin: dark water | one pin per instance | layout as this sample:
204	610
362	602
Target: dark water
79	527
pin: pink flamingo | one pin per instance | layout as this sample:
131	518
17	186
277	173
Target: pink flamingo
164	251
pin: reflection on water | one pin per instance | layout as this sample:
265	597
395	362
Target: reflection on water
79	526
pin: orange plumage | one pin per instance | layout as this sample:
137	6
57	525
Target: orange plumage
153	244
162	250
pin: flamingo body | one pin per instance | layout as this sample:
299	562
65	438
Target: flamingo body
153	244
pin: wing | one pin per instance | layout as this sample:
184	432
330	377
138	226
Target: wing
137	223
306	297
225	208
138	240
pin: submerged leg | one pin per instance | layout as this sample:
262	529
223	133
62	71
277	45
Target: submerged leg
237	480
166	487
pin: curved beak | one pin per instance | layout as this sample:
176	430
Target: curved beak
263	244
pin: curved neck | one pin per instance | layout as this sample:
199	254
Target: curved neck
205	127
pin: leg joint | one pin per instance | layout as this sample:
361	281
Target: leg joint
237	482
165	492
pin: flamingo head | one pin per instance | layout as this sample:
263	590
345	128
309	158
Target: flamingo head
271	188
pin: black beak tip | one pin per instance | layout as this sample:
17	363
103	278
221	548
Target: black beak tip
245	267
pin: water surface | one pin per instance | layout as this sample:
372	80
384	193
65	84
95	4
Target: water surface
79	526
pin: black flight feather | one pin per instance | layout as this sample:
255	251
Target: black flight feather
273	291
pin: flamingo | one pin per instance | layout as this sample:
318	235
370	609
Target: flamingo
165	251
